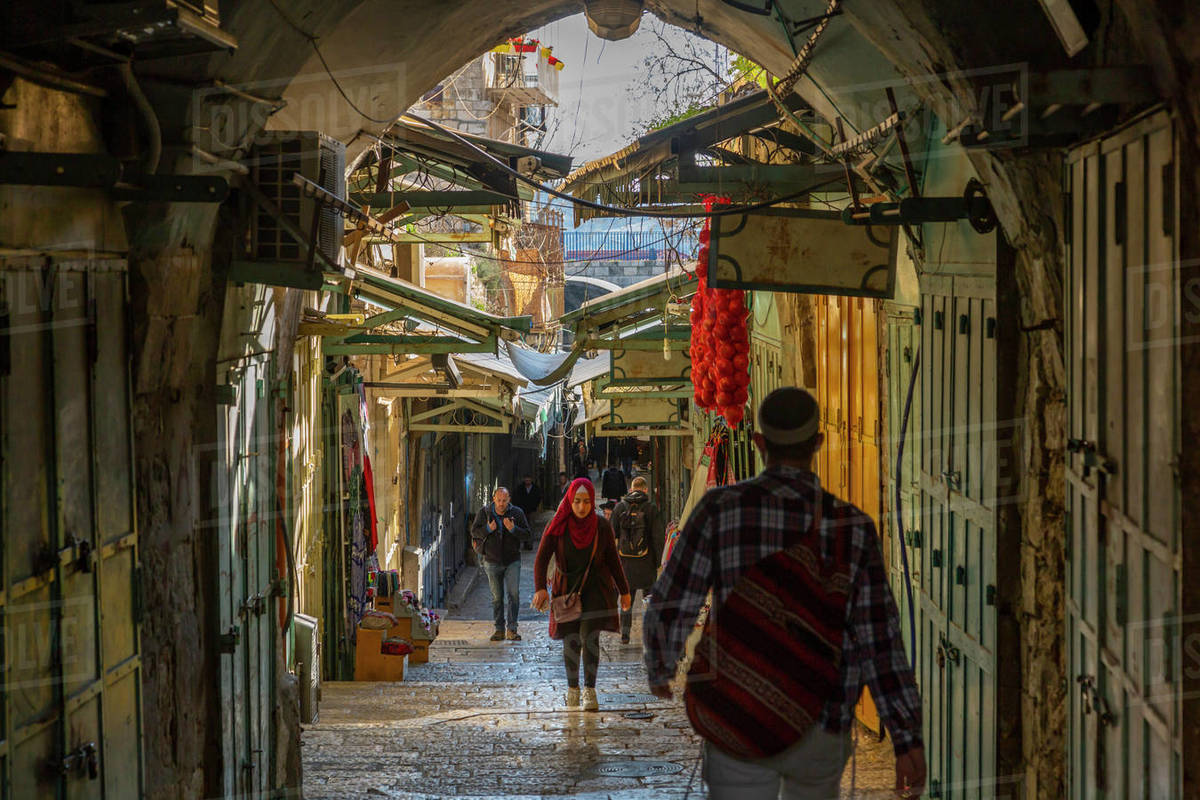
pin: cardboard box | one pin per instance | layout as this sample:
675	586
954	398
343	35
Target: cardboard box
370	663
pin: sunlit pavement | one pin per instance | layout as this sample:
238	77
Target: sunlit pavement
487	719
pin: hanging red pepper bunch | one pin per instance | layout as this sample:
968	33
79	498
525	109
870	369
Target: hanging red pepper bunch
720	346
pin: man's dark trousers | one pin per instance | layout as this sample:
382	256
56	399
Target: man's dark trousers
505	582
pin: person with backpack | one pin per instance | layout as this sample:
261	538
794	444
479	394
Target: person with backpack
641	536
802	618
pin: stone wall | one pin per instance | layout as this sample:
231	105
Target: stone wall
622	273
463	102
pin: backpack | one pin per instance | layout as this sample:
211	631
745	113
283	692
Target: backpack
635	543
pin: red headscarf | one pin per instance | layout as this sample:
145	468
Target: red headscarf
582	531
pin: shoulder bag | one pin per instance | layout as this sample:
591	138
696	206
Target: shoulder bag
569	607
770	655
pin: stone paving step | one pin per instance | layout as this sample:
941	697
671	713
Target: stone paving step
487	719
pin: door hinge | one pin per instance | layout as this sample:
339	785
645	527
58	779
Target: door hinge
139	602
1092	458
230	639
1120	586
990	595
960	575
935	557
1120	213
1168	198
5	341
914	538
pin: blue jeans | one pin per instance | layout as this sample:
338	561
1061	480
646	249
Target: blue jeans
504	581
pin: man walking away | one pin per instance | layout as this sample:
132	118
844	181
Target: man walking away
791	725
527	497
496	533
614	486
641	535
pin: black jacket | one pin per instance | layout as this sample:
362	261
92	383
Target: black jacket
500	546
613	483
656	528
527	500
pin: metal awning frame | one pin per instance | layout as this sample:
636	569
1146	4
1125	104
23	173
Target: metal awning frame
426	421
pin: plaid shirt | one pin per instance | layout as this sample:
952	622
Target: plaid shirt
733	528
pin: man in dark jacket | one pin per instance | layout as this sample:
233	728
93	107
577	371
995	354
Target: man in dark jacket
496	534
527	497
613	483
641	535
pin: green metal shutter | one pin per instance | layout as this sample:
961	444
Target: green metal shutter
247	595
956	562
70	723
1123	499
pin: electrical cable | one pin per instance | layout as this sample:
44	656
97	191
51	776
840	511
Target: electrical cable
912	625
729	211
617	210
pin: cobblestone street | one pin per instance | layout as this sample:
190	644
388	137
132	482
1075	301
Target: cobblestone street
487	719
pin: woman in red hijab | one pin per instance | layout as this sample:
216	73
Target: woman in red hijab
577	537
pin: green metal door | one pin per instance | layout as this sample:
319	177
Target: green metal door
248	581
956	572
1123	500
70	719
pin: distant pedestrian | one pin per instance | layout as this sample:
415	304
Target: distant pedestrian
776	706
613	483
563	483
587	582
641	534
607	508
527	497
496	534
580	463
628	450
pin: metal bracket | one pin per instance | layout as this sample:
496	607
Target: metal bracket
973	206
1093	700
84	757
101	171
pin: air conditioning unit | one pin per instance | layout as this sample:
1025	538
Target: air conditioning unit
308	666
277	156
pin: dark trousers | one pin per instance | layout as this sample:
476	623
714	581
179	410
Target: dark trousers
505	582
581	637
641	574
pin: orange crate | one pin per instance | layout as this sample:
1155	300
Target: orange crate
420	653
